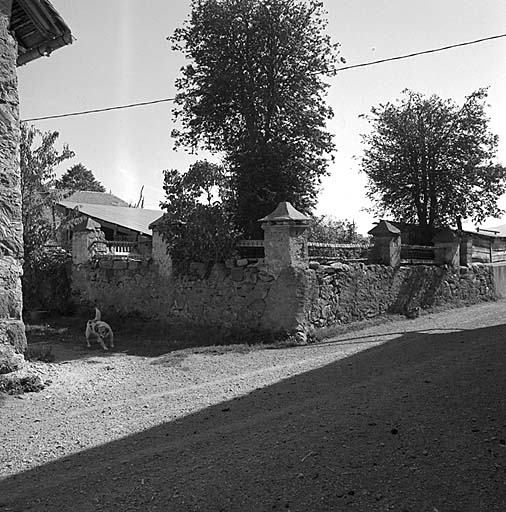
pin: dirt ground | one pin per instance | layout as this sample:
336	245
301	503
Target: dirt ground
408	415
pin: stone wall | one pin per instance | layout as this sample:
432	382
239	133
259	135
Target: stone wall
250	296
283	291
347	293
12	333
244	296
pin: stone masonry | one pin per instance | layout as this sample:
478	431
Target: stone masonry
12	333
283	292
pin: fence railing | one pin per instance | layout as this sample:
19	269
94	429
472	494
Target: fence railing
417	254
328	253
325	252
118	248
251	248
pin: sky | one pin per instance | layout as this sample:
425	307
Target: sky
121	55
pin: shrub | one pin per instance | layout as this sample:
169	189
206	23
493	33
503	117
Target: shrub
46	281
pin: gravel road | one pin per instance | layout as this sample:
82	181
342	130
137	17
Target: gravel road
409	415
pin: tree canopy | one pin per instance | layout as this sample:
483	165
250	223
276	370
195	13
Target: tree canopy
254	92
39	159
198	225
431	161
329	230
77	178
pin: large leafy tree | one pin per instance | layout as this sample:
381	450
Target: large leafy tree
77	178
431	161
39	159
254	92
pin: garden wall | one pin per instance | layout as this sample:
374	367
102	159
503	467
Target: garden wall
250	296
347	293
246	296
283	291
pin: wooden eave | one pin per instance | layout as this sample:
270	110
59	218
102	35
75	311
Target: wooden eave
38	29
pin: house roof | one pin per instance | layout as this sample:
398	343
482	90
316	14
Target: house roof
136	219
38	28
494	231
91	197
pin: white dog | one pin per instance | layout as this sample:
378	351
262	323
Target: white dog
100	329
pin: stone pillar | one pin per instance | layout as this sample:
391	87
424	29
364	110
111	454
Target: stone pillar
447	248
86	240
386	248
466	249
12	331
285	238
159	249
287	260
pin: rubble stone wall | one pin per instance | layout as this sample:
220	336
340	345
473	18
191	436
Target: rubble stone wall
347	293
295	299
12	332
233	297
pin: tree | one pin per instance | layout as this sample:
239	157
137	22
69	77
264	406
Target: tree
77	178
254	92
198	225
328	230
46	282
432	162
38	161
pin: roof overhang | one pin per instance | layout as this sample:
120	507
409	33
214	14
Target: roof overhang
38	29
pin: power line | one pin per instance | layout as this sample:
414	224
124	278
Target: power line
97	110
424	52
354	66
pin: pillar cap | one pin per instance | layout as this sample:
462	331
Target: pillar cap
384	228
86	224
285	212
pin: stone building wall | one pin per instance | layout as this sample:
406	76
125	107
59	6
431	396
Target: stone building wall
12	333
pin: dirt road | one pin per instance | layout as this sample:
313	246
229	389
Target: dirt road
406	416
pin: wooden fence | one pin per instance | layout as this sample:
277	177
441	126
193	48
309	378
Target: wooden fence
417	254
488	249
323	252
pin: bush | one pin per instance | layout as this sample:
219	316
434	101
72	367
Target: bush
199	223
46	281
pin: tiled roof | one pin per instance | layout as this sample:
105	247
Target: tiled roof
136	219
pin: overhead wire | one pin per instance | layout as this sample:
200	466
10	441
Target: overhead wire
424	52
353	66
97	110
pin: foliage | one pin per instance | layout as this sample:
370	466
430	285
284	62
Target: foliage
254	92
431	161
77	178
197	231
328	230
46	281
38	160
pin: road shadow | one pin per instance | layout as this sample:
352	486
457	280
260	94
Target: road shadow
416	424
65	336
